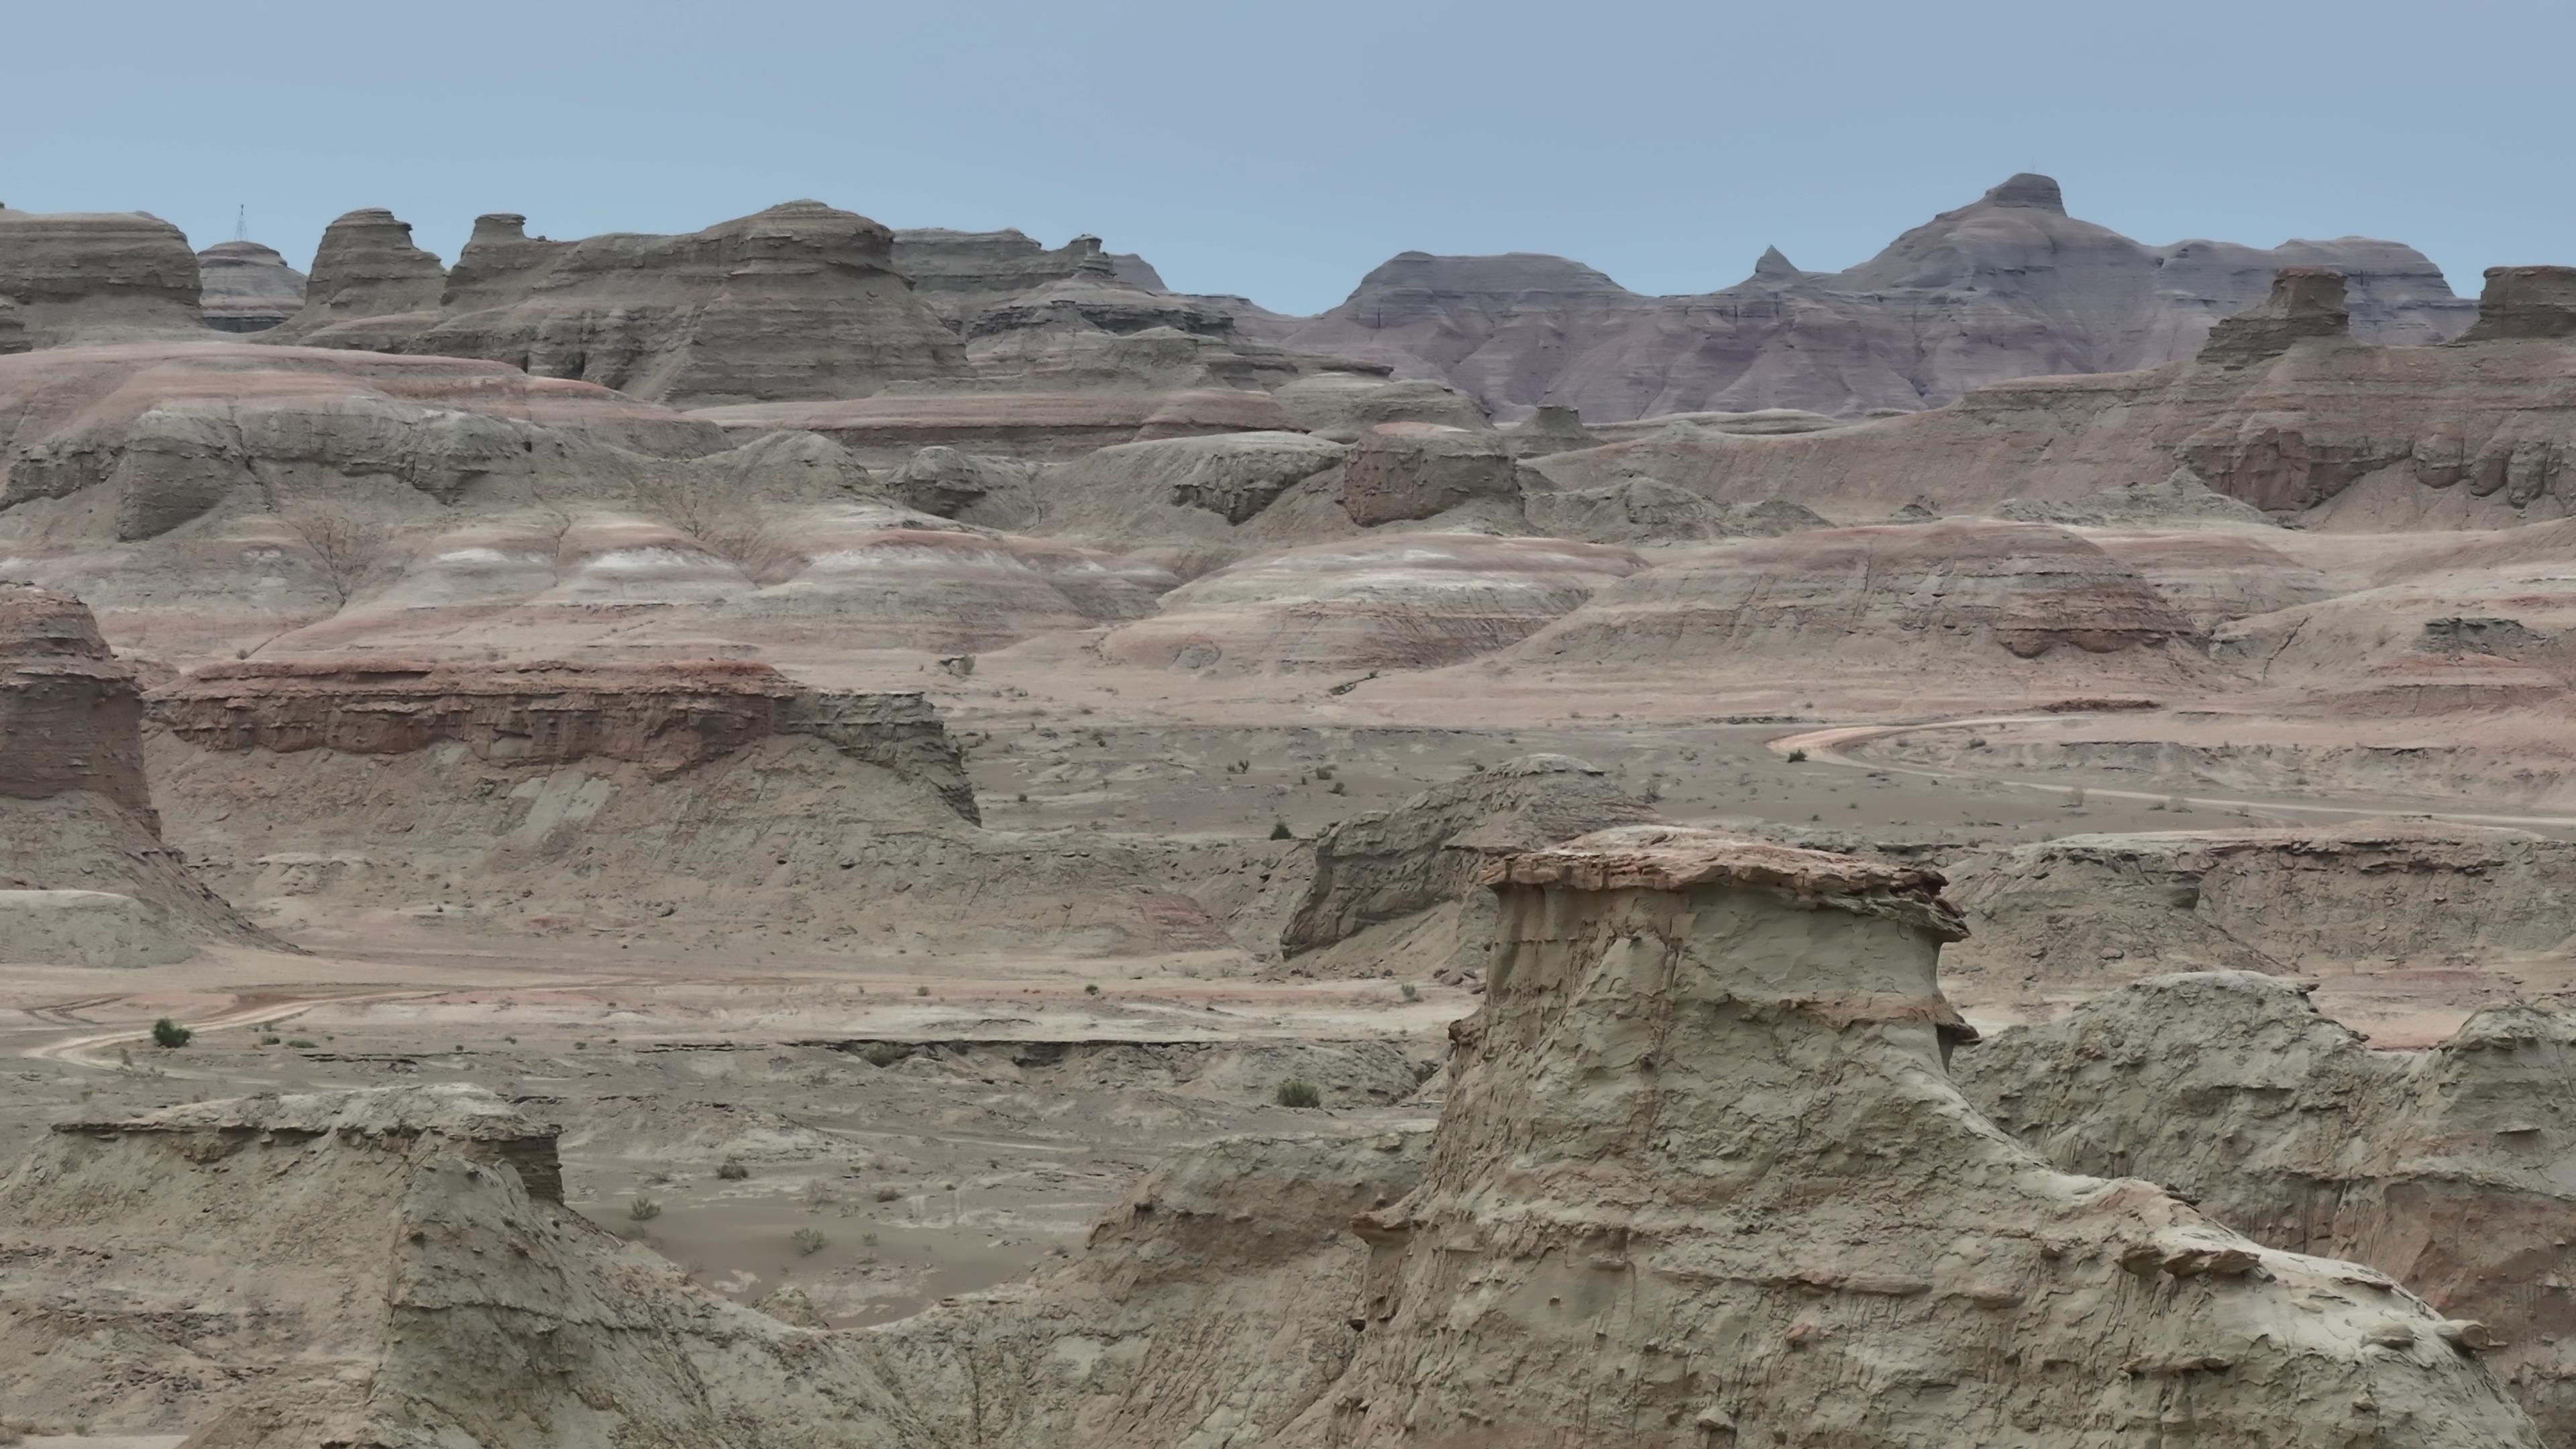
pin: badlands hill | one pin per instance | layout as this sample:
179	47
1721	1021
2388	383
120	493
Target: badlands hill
2006	286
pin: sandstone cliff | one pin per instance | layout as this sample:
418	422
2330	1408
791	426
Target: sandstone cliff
69	276
2007	286
2453	1169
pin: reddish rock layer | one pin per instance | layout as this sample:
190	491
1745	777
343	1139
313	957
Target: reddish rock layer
667	717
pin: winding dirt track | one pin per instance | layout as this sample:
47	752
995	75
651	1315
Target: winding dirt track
77	1050
1826	746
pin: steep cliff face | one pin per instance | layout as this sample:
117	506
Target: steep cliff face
800	301
84	876
2284	412
66	276
2453	1169
1400	885
1702	1178
666	717
960	273
2007	286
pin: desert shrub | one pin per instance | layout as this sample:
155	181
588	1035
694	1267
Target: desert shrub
882	1054
300	1043
644	1209
1279	831
889	1193
807	1241
1797	757
1411	992
168	1033
732	1169
1298	1092
1091	988
269	1038
921	991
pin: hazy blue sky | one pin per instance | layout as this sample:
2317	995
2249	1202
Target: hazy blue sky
1280	150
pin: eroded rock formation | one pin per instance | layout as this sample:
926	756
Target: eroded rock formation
1400	472
73	275
2007	286
2452	1169
84	876
666	717
1701	1171
799	301
2283	413
247	287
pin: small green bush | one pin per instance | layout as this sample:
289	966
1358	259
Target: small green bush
1297	1092
1279	831
889	1194
1091	988
1411	991
807	1241
732	1170
168	1033
300	1043
921	991
1797	757
644	1209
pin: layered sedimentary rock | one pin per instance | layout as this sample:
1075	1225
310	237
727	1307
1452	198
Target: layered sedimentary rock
666	717
247	287
1416	865
2007	286
1031	424
2098	910
1914	597
2478	432
85	875
970	487
1389	601
2526	302
2452	1169
960	273
1399	472
367	278
161	433
1343	404
1701	1171
799	301
65	276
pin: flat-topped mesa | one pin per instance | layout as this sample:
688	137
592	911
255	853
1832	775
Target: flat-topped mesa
2029	188
1702	1169
2305	302
668	717
467	1119
247	287
71	716
73	274
2525	302
367	267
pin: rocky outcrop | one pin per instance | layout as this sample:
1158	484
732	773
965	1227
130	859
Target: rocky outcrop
1913	597
666	717
2099	910
1341	405
1389	601
2007	286
1218	495
1424	855
73	275
84	876
2453	1169
367	271
2306	303
799	301
166	432
2475	433
969	487
1549	429
959	274
2526	302
1399	472
1701	1169
70	711
247	287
